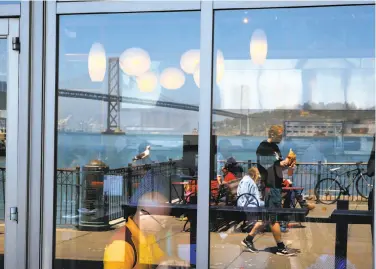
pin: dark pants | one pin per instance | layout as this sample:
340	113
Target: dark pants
290	196
370	208
273	199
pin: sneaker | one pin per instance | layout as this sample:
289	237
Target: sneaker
286	252
249	246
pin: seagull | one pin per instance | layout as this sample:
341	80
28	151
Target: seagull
142	155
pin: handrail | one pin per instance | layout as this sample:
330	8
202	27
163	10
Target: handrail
302	163
65	169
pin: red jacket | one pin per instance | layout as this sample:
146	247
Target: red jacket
229	177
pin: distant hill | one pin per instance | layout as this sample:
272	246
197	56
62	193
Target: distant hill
259	123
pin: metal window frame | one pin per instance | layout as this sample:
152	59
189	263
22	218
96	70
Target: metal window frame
36	73
49	157
219	5
10	10
207	8
205	153
11	186
53	11
23	129
125	6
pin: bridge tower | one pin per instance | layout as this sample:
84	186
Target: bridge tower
114	94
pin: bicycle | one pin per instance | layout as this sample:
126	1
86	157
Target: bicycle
327	188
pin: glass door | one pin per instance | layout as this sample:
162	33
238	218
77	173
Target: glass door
9	53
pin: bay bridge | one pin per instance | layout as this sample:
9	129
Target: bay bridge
114	98
139	101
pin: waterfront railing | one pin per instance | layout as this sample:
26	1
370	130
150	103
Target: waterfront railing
120	185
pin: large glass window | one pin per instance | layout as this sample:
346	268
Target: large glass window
300	83
127	139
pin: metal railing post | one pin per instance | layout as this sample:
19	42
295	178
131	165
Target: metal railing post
318	179
170	180
129	182
77	192
124	192
3	175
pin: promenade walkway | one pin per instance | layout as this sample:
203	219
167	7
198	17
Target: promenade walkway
81	249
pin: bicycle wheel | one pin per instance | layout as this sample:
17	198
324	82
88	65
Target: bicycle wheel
364	185
248	200
328	191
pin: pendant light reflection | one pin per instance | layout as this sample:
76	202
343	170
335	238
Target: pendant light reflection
189	60
147	82
134	61
258	47
172	78
220	69
196	76
97	62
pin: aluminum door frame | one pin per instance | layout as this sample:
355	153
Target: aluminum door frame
9	29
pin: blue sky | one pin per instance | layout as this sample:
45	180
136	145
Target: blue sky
330	34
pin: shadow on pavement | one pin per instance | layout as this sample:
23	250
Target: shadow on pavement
273	250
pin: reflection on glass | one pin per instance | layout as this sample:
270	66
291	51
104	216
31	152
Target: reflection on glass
9	2
300	84
3	117
127	140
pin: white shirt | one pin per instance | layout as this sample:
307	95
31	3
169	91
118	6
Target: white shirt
247	185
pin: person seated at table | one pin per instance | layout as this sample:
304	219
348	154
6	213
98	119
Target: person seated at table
248	185
287	196
228	187
189	191
227	174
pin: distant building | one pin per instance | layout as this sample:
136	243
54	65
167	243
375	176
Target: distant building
310	129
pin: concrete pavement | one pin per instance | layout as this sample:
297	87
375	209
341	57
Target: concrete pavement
316	241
